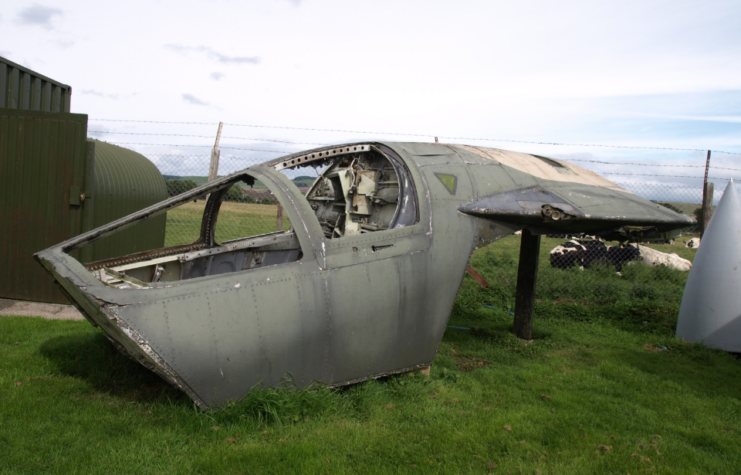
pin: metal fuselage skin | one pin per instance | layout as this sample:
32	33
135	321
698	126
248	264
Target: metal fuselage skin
350	309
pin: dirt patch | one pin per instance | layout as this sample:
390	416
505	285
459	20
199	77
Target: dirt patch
51	311
652	349
467	364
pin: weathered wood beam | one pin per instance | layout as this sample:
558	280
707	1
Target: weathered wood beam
477	277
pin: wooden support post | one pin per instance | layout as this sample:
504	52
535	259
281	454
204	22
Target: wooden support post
213	169
527	276
477	277
707	207
279	222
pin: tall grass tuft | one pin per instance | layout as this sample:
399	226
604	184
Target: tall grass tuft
283	404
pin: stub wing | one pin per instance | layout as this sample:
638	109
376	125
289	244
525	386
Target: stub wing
575	208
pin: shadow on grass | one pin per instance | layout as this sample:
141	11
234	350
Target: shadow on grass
708	373
498	333
93	358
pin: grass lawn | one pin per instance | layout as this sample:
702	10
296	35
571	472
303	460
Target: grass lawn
236	220
594	392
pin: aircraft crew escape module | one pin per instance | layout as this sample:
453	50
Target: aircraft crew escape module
360	286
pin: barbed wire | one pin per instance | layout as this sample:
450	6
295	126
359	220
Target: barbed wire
319	143
202	157
634	147
153	121
665	176
201	146
648	164
672	186
204	137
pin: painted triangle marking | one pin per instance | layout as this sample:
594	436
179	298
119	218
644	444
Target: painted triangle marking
449	181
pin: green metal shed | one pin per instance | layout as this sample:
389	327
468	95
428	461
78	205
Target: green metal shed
124	183
55	184
22	88
43	170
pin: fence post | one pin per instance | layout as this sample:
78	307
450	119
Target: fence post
279	222
705	197
707	207
213	169
527	276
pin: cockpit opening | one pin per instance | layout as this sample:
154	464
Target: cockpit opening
360	190
239	224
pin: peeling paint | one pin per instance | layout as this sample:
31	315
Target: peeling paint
390	276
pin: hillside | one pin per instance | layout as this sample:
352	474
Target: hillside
201	180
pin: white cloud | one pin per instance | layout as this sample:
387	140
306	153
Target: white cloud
93	92
703	118
63	43
191	99
213	55
572	71
38	15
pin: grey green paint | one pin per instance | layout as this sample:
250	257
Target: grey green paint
351	309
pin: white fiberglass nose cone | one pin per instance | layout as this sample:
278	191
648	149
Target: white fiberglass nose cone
711	305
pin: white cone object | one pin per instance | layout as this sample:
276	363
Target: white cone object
711	305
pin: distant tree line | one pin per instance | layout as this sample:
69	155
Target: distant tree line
178	186
670	206
235	194
175	187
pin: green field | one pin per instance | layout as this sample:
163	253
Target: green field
686	208
604	387
236	220
303	180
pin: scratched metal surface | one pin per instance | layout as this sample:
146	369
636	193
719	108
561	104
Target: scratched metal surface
350	309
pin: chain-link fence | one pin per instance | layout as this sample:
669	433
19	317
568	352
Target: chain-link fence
682	199
573	268
587	270
248	209
257	205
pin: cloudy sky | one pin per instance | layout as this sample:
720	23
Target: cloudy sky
631	73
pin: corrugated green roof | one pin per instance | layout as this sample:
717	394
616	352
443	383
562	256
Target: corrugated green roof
125	182
22	88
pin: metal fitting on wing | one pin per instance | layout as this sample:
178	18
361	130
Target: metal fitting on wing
550	213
